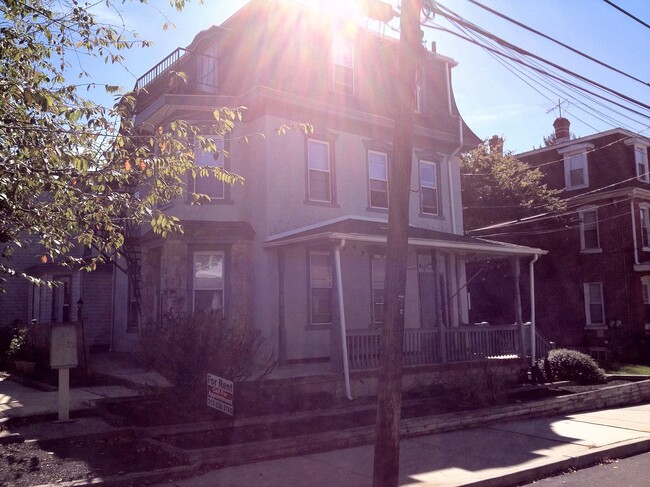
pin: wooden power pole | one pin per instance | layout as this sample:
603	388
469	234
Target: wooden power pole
389	388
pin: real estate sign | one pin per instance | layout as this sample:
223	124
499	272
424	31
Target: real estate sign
220	394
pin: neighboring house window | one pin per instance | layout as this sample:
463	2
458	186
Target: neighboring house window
343	66
319	179
576	174
594	305
428	188
208	281
641	161
378	179
589	239
645	287
378	271
644	216
418	90
320	284
209	185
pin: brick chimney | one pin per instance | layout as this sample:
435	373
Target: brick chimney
496	144
562	131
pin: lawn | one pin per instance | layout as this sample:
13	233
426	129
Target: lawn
629	369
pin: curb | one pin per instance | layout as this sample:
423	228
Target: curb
582	460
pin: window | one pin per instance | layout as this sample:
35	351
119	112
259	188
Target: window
320	284
645	289
378	271
206	68
208	279
589	229
62	299
644	216
378	179
419	80
641	160
209	185
343	66
576	174
428	188
594	307
319	178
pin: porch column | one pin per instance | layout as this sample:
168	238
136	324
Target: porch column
336	358
518	312
282	326
453	291
533	333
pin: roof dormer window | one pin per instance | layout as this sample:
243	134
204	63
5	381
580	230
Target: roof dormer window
343	66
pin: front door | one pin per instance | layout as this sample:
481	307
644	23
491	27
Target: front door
427	285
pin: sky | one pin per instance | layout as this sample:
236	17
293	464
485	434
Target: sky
491	99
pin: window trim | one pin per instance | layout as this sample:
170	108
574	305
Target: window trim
311	324
329	171
641	149
337	86
435	187
645	226
583	248
589	323
224	271
567	170
385	156
221	145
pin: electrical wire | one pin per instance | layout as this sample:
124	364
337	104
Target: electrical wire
608	2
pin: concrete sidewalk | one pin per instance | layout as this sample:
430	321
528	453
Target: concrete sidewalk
503	454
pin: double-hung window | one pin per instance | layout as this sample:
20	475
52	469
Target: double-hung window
378	271
378	179
208	281
641	162
576	174
428	188
594	304
319	177
589	238
320	284
209	184
343	66
644	216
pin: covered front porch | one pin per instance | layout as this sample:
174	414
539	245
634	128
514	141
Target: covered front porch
342	262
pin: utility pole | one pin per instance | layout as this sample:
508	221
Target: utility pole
389	388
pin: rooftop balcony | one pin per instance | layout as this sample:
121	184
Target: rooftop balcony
183	72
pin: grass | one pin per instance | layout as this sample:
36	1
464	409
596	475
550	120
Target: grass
629	369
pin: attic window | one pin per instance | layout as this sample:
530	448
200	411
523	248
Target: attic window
343	66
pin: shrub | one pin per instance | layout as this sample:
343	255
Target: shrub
186	348
479	386
572	365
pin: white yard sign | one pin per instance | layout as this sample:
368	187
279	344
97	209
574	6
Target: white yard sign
220	394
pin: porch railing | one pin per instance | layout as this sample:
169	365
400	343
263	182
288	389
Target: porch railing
430	346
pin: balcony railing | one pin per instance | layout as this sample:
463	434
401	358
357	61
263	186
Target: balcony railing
200	76
430	346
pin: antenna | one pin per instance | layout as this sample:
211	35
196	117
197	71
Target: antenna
558	106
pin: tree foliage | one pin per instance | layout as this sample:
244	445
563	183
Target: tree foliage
69	166
498	187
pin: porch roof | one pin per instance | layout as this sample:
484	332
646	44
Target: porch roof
376	231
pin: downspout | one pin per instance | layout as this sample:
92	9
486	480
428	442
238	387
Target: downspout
452	209
533	331
344	339
636	249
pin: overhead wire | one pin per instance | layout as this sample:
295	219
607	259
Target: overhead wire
612	4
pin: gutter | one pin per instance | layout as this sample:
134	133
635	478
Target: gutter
452	211
344	339
636	246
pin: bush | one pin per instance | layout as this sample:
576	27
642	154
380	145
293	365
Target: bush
572	365
186	348
479	386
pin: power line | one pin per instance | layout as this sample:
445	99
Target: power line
626	13
454	16
545	36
